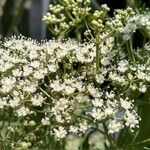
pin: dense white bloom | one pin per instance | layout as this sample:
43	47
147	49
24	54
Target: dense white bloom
61	87
62	79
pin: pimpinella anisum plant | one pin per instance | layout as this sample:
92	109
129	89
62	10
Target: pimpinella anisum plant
57	89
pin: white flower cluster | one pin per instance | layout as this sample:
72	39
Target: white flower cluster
135	22
56	83
118	113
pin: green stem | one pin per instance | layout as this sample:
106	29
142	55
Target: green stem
106	133
135	137
142	142
78	34
81	116
97	56
46	93
131	49
112	144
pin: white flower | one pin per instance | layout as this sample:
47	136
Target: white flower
45	121
141	75
35	64
73	129
109	111
97	114
83	127
52	67
110	95
17	73
15	93
130	28
100	78
131	119
142	88
37	100
123	66
60	133
69	90
125	104
30	88
56	85
114	127
39	74
117	78
59	110
23	111
80	86
14	102
27	70
104	49
97	102
105	61
33	54
94	91
4	66
7	84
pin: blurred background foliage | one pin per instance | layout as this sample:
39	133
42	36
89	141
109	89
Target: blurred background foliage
25	17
